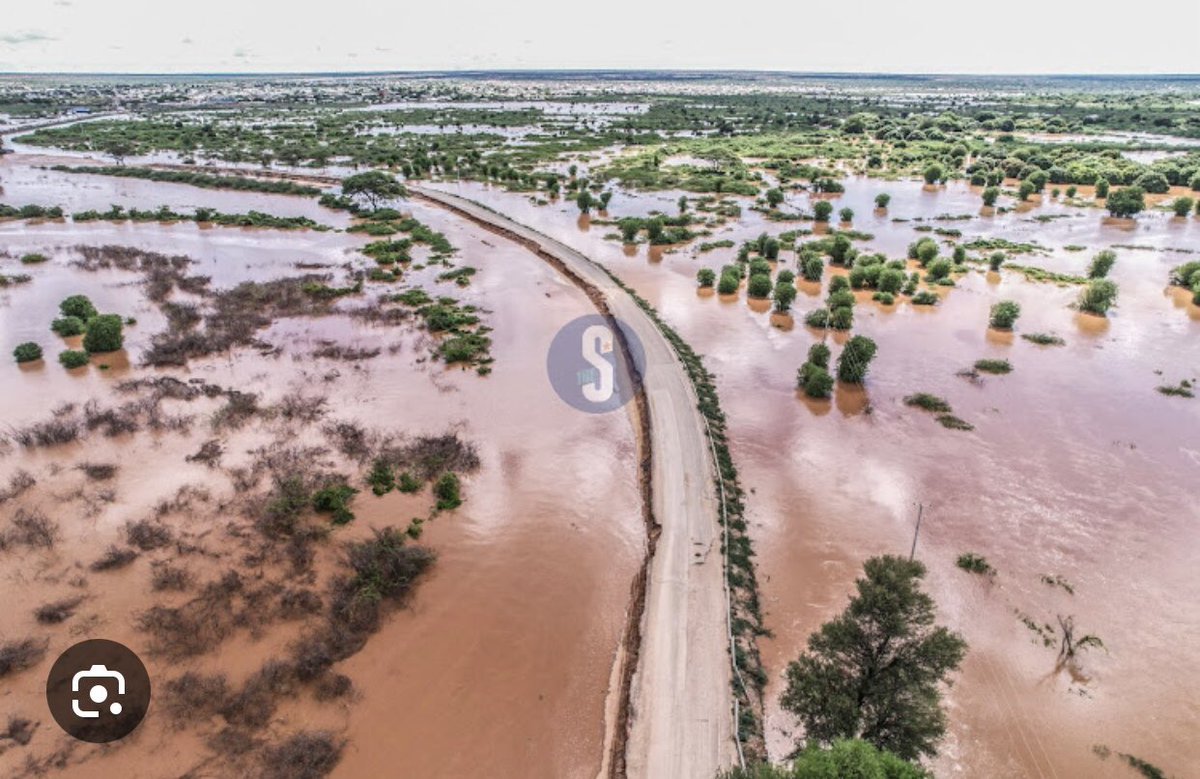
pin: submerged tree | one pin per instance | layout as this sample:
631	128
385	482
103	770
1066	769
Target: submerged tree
1101	264
822	210
990	194
875	671
882	200
1126	202
1098	296
774	197
374	185
855	359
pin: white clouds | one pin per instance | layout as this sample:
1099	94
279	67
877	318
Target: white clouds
1017	36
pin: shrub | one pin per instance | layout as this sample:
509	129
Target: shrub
990	195
890	280
706	277
822	210
785	277
996	260
67	326
760	268
72	358
1126	202
925	298
407	483
113	558
1182	206
952	422
843	298
926	251
57	612
841	318
882	200
27	352
847	214
973	563
928	402
1102	186
813	268
1154	182
728	284
934	173
381	479
818	318
335	499
1101	264
447	490
1025	189
886	298
1072	191
34	258
1044	339
818	354
785	295
938	270
839	284
305	755
1098	296
816	381
19	655
1004	314
78	306
855	359
993	366
103	334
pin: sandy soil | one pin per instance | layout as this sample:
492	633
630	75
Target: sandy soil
681	699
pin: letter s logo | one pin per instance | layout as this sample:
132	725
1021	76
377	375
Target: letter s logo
597	340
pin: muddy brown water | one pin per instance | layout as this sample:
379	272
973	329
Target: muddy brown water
1076	468
503	657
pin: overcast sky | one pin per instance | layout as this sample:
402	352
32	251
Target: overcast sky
912	36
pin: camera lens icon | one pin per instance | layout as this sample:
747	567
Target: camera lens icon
98	691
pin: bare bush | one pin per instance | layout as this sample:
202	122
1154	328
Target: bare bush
331	350
30	528
254	705
166	576
98	471
113	558
147	535
19	731
307	755
297	603
62	427
194	696
20	482
331	686
20	654
298	407
239	407
198	625
431	456
350	439
209	454
58	612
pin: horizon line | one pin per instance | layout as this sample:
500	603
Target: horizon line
587	71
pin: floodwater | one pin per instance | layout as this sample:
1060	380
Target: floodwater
502	659
1076	468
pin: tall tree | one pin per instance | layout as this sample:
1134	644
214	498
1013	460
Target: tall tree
875	671
375	185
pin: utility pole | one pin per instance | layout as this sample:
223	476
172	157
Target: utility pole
917	532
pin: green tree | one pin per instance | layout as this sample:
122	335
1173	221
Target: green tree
996	260
373	185
683	204
855	359
822	210
605	198
1101	264
73	358
728	284
843	759
847	214
770	249
927	251
891	280
584	201
1182	206
774	197
706	277
875	671
934	173
813	268
990	195
1102	188
882	200
785	295
629	229
1153	181
103	334
78	306
759	286
29	351
118	149
1026	189
1098	296
1004	314
1126	202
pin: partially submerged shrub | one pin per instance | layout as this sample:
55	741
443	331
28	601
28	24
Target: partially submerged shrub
1005	314
1044	339
147	535
855	359
103	334
448	491
1098	296
305	755
20	654
928	402
993	366
954	423
30	527
27	352
78	306
335	499
973	563
72	358
67	326
57	612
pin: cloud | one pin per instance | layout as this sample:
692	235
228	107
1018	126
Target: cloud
241	53
19	38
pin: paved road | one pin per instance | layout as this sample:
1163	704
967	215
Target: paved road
681	697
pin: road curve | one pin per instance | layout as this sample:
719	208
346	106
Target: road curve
680	699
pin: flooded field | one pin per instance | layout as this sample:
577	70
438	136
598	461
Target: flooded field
1077	468
525	607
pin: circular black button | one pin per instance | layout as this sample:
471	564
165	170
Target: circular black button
98	691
